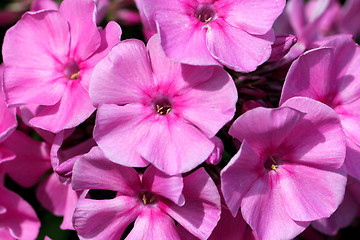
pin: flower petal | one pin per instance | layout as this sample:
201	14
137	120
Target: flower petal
119	130
317	140
32	159
85	36
201	211
105	219
239	175
237	49
72	109
153	223
169	144
263	123
311	193
253	16
215	98
33	51
263	209
122	76
164	185
19	217
94	171
183	38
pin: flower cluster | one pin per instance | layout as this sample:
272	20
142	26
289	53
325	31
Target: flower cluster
222	119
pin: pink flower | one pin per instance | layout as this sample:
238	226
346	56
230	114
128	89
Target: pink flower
330	74
152	110
237	34
153	200
286	173
49	56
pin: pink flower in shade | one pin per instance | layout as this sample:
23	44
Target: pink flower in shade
49	56
348	210
228	228
66	149
31	159
309	21
287	172
58	198
18	219
330	74
152	110
153	200
237	34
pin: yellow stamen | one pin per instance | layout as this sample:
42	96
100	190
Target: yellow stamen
273	167
144	198
152	199
75	76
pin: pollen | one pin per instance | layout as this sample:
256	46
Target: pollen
271	164
162	105
148	198
75	76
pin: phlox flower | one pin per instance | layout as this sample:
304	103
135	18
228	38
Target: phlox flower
309	21
152	110
49	56
330	74
287	172
237	34
153	200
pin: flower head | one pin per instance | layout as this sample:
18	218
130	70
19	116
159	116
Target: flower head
286	173
152	110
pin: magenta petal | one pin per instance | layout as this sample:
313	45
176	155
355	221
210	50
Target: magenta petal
263	209
239	175
167	186
183	38
258	124
309	76
105	219
153	223
109	37
342	217
58	198
125	124
253	16
19	217
32	159
72	109
201	211
219	108
125	84
38	77
311	139
174	157
85	37
311	193
7	116
236	48
94	171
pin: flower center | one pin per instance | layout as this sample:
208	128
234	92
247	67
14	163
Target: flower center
205	13
148	198
271	164
162	106
72	70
